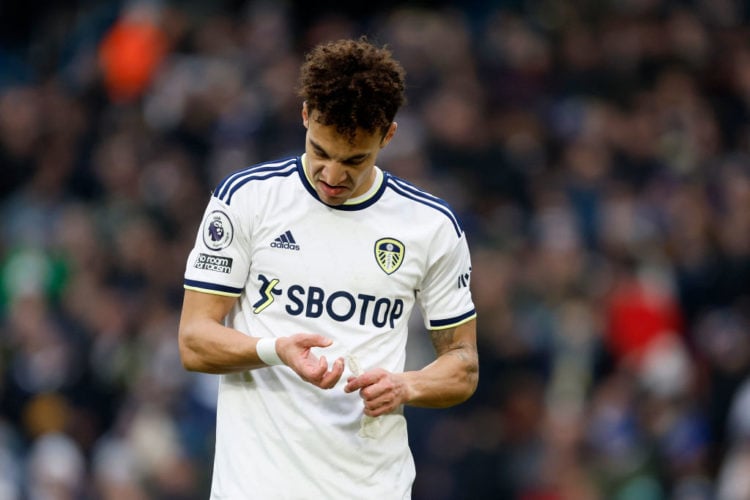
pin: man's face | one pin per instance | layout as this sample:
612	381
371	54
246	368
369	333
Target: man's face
340	169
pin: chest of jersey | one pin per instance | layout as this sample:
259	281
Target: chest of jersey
357	267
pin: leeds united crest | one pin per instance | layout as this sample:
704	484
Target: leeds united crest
389	253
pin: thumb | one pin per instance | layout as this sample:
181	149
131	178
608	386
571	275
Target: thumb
314	340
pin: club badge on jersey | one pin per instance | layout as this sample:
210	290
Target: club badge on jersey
389	253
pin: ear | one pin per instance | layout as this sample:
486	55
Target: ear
389	135
305	115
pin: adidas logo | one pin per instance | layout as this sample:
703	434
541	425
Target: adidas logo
286	241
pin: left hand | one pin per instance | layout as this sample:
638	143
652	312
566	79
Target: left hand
381	391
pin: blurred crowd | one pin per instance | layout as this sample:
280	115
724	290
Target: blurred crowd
598	153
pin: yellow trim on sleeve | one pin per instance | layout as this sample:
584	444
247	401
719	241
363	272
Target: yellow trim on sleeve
454	325
211	292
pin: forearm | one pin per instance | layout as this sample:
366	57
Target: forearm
207	346
449	380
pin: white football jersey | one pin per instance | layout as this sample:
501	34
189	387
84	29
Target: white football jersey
351	273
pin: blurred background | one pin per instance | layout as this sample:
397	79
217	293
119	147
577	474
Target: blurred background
597	151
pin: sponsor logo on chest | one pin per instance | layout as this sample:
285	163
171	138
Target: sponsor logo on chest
339	305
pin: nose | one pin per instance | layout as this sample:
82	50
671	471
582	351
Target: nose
333	173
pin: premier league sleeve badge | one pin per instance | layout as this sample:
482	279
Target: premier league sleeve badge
217	230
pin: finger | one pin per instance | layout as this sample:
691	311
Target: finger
375	403
355	383
382	410
379	407
339	366
321	369
332	377
373	392
313	372
367	379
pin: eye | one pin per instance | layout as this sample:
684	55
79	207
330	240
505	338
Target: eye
353	162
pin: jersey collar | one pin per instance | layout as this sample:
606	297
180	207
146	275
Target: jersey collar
362	201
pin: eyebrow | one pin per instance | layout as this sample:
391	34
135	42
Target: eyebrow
354	158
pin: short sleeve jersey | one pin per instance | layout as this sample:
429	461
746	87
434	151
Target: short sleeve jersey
352	273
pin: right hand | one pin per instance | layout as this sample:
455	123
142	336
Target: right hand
295	352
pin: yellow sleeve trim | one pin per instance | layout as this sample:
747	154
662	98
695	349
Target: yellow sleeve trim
211	292
453	325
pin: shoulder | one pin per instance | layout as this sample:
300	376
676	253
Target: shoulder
234	182
432	206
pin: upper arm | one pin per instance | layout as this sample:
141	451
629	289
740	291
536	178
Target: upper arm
198	307
461	339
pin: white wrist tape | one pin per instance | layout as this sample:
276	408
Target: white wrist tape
266	349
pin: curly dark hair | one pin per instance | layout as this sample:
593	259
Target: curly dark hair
353	85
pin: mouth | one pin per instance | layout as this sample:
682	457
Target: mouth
332	191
